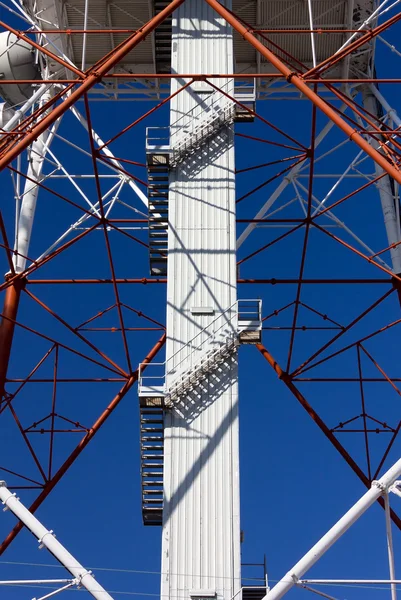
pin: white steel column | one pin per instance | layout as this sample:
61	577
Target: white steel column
36	156
387	199
201	530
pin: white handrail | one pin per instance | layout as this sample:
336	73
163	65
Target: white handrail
190	342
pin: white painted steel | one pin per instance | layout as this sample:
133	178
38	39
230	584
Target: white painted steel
312	35
293	576
318	592
17	62
48	540
201	530
34	581
276	14
351	581
36	157
385	192
392	113
107	152
55	592
6	114
83	64
25	107
390	546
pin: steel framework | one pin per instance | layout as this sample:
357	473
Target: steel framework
330	278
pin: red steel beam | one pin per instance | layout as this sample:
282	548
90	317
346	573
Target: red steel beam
202	77
49	485
90	80
353	46
300	84
43	49
271	281
285	377
10	309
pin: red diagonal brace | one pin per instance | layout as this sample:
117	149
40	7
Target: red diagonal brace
82	444
91	80
286	378
299	83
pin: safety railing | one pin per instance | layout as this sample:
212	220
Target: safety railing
240	316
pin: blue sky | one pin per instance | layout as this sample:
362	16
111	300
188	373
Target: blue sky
294	485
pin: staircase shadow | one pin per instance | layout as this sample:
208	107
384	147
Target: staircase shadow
208	391
207	154
191	410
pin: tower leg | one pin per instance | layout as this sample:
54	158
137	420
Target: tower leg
9	315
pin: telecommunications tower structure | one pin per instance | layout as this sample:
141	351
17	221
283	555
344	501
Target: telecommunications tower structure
267	158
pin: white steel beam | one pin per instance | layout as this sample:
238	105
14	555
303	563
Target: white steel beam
294	575
49	541
390	546
99	142
36	157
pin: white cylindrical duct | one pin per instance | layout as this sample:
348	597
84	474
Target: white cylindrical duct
47	539
17	62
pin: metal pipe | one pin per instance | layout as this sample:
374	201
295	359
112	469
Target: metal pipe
392	113
34	581
36	156
10	309
289	382
49	541
350	581
99	142
312	38
25	107
390	546
84	36
318	550
300	84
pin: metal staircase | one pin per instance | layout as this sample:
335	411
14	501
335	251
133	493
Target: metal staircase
167	147
187	140
163	385
259	586
208	362
158	218
162	39
152	446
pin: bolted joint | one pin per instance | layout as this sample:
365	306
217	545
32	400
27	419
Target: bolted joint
291	75
379	485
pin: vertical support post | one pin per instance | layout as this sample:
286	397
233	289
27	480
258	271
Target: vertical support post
9	315
386	191
390	547
36	156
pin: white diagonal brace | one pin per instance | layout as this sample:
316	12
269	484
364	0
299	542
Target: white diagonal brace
293	576
49	541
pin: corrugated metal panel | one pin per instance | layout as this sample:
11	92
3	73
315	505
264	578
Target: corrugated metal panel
201	548
273	14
